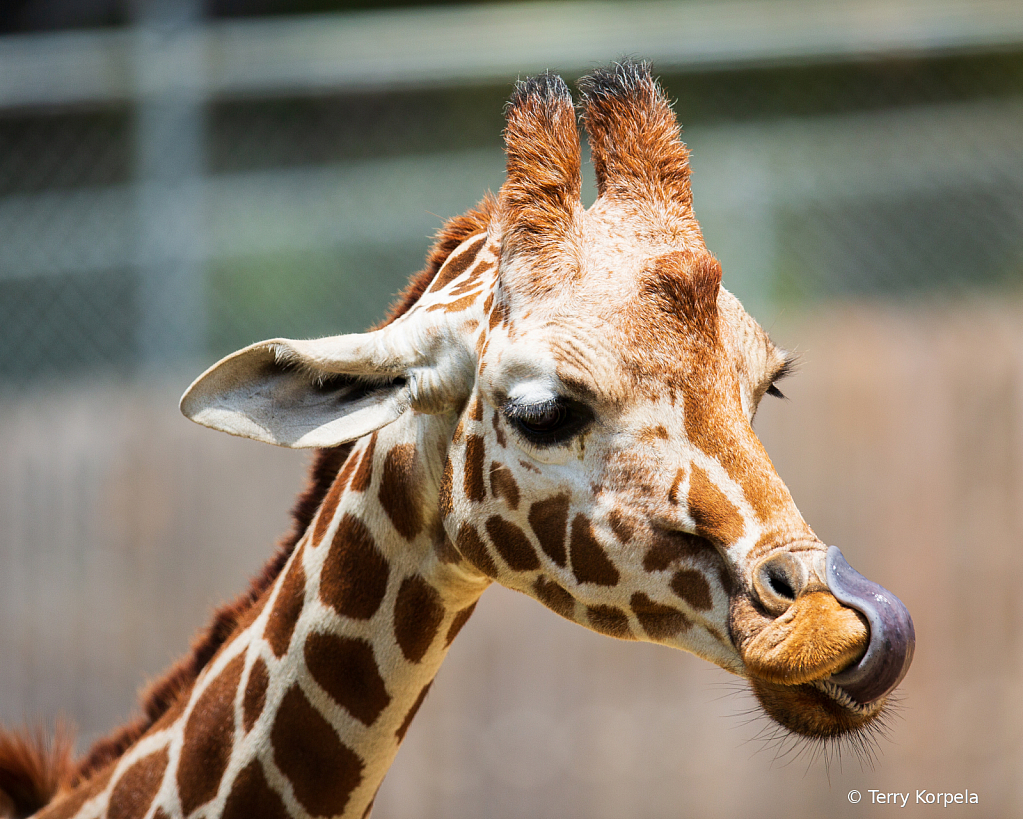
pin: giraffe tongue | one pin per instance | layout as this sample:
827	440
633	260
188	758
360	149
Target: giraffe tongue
892	637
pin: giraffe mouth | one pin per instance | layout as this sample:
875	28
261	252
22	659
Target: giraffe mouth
839	695
835	697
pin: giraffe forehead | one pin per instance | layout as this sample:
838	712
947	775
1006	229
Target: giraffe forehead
603	257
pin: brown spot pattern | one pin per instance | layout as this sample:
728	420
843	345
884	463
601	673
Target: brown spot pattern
742	455
346	669
589	563
475	454
470	285
684	287
455	266
364	474
725	579
715	516
208	739
460	619
554	597
137	787
287	607
655	433
418	613
692	587
673	492
549	521
445	501
251	795
503	485
610	621
621	526
330	503
512	544
442	545
658	621
470	545
498	430
399	490
463	303
498	315
305	748
668	548
67	807
411	715
255	694
354	576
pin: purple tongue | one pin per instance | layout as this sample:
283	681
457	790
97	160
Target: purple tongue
892	637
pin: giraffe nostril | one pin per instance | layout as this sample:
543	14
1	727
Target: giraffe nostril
778	581
780	584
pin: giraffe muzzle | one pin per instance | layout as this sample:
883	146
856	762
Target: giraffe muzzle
892	637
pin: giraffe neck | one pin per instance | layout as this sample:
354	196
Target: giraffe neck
302	712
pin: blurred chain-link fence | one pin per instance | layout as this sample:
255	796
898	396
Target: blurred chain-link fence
179	190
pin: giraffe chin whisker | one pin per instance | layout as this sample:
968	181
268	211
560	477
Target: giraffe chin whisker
820	709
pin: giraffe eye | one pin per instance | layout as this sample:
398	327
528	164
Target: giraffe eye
549	422
544	420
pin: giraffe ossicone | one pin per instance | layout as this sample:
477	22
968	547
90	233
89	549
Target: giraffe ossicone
562	404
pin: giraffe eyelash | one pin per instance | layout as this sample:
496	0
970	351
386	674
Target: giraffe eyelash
787	368
550	422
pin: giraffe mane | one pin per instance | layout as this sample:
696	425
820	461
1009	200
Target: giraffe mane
33	766
158	697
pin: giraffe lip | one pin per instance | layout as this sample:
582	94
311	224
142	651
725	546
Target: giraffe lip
892	637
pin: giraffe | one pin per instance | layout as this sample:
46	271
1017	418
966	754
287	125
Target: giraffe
561	402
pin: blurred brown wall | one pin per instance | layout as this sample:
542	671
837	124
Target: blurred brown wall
122	525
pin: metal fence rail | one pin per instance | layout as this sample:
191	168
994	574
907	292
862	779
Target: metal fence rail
486	43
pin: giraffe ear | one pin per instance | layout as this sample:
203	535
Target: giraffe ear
318	393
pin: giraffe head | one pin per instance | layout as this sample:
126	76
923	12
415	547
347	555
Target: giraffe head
595	388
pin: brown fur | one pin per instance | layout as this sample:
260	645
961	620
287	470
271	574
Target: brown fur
304	746
137	785
806	711
715	516
205	754
684	288
33	770
817	637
